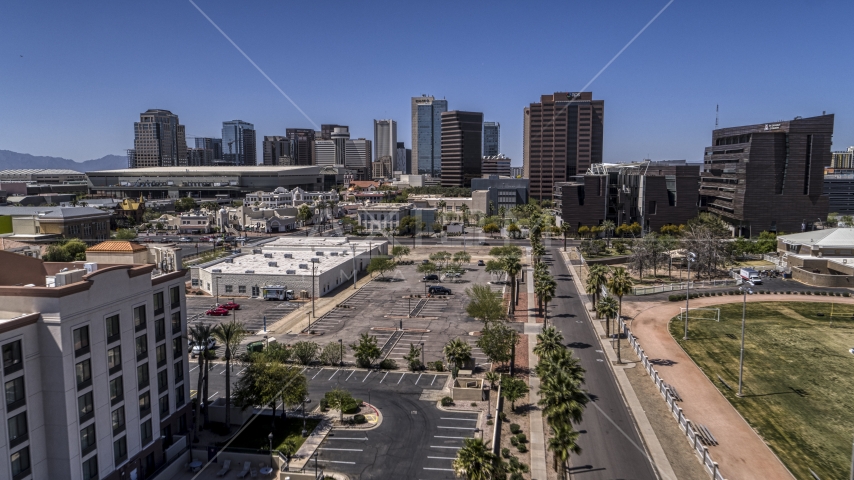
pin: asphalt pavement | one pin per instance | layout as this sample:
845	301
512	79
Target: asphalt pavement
611	445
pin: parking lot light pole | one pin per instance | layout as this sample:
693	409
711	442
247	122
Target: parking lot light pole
423	365
341	358
354	265
313	269
690	258
270	436
744	290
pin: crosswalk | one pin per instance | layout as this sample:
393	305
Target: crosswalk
377	378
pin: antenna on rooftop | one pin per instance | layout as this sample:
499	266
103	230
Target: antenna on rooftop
716	116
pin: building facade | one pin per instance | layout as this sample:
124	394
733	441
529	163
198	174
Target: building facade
213	145
324	152
381	216
843	160
495	165
301	145
491	139
461	147
403	159
839	188
44	223
277	150
159	141
563	138
385	138
238	143
282	197
427	134
653	194
97	385
768	177
500	192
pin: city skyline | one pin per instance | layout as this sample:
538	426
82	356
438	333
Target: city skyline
661	93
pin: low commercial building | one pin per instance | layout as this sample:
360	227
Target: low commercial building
95	370
300	264
381	216
282	197
48	176
258	219
49	223
653	194
839	188
821	257
500	192
166	257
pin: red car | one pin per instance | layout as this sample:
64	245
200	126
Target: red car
230	306
217	312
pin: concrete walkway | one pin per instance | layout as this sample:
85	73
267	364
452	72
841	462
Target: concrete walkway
742	454
535	416
653	446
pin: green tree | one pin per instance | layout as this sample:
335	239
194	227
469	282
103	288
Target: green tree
497	340
340	400
548	341
413	358
620	284
492	377
513	389
199	334
185	204
513	230
560	363
511	265
495	267
426	268
381	265
265	381
441	259
331	354
766	243
485	304
366	350
305	352
608	227
457	352
210	206
597	277
583	231
563	443
607	308
304	213
400	251
562	399
278	352
475	462
229	334
491	229
461	257
125	234
545	288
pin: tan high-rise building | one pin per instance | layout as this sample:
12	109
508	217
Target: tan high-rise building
159	141
563	137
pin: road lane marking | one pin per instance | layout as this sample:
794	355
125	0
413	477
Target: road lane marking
453	438
386	374
366	376
334	373
419	378
334	461
361	439
401	378
458	418
440	446
348	376
316	374
341	449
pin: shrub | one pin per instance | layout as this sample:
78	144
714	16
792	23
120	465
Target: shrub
438	366
522	448
809	292
324	404
388	364
515	428
447	401
522	438
505	452
503	416
473	404
514	441
359	419
490	422
517	476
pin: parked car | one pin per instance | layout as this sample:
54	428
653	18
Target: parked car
430	278
197	349
480	263
482	243
425	261
230	238
241	239
439	290
217	312
185	239
230	306
204	239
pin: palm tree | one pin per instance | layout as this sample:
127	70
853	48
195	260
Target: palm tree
620	284
538	250
513	389
608	227
458	352
561	363
230	334
511	265
562	444
200	334
502	210
565	230
492	378
474	461
562	399
597	277
545	288
548	341
609	309
441	206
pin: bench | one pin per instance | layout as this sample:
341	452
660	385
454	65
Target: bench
705	435
673	392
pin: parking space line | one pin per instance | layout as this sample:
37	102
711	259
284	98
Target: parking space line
440	469
386	374
457	428
459	418
366	376
336	371
401	378
419	378
453	438
440	446
341	449
316	374
444	458
334	461
351	374
212	396
304	369
434	379
194	368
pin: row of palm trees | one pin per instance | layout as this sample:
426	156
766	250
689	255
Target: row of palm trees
617	282
229	334
561	396
545	287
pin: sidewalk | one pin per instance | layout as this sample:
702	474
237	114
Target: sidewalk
741	453
539	469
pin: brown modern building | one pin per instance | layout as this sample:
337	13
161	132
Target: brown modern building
301	140
654	194
462	134
563	138
768	177
277	150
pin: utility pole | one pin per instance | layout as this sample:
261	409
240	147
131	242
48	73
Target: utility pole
313	269
353	246
690	257
745	291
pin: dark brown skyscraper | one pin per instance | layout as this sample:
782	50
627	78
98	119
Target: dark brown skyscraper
768	177
301	140
462	133
563	137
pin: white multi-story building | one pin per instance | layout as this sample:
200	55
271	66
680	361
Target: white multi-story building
380	216
94	369
385	138
324	152
282	197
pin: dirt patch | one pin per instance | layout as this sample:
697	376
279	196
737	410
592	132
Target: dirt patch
521	418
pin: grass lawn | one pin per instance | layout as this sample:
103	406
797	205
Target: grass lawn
254	437
798	380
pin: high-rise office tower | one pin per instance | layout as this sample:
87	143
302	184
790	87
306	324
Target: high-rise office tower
327	129
563	137
302	140
340	135
496	165
277	150
385	138
427	134
159	141
238	143
768	177
358	157
199	157
491	139
212	144
403	159
461	146
324	152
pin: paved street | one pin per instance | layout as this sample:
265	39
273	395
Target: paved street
611	445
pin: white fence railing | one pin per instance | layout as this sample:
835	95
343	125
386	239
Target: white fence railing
672	287
669	398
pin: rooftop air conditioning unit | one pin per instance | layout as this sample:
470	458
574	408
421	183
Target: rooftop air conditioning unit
256	250
272	264
334	254
229	260
216	270
303	266
90	267
319	254
291	272
268	255
289	255
250	271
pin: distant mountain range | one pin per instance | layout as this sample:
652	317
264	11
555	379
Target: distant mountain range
14	160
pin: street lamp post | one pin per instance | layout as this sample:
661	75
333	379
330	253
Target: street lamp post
313	269
422	356
341	358
744	291
690	258
353	246
270	437
304	430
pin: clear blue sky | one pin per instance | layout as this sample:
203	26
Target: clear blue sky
89	68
